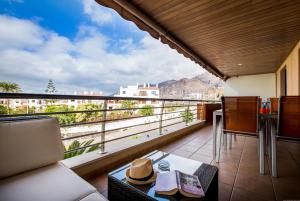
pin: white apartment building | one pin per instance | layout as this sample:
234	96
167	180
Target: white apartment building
146	90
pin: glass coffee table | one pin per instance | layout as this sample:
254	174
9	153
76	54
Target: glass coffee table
119	189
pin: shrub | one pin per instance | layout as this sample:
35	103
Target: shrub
146	110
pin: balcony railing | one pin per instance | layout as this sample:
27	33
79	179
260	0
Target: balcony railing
103	119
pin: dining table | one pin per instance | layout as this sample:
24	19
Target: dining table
267	123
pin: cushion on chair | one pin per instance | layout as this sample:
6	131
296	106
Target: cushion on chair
29	144
51	183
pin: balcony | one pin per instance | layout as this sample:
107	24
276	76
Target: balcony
239	177
253	46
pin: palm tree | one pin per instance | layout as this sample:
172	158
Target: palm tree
9	87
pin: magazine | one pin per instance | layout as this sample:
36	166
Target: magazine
175	181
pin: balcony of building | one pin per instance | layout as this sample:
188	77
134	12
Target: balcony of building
252	45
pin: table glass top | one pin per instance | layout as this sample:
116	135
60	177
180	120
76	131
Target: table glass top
182	164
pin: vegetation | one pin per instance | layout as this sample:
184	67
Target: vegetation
3	109
50	87
9	87
128	104
187	116
62	118
75	117
23	110
146	110
88	116
76	145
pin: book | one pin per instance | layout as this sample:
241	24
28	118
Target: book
175	181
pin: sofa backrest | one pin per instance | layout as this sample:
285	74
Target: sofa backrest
28	144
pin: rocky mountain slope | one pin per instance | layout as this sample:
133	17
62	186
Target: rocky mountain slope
203	86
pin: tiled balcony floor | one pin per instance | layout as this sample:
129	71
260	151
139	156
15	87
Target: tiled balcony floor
239	177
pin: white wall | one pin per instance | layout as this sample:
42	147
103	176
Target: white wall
263	85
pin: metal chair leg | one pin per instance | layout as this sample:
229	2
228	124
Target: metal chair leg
274	151
221	137
230	140
215	135
261	153
225	140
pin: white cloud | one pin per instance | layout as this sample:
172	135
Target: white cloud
30	55
97	14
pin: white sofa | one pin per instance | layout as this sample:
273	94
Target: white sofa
30	151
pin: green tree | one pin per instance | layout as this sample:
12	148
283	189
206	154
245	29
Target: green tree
88	116
146	110
187	116
62	118
50	87
9	87
128	104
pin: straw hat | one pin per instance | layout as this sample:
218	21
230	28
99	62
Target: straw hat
141	172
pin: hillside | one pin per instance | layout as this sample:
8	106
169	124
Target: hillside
203	86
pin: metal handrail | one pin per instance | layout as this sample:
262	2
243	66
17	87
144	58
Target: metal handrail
126	136
85	97
184	103
82	111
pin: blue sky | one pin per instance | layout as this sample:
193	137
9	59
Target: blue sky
81	46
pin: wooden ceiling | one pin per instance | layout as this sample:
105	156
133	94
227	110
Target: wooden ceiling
229	38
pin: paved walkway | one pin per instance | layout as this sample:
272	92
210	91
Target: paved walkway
239	177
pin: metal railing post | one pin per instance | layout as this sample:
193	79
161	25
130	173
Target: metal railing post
102	151
187	114
161	117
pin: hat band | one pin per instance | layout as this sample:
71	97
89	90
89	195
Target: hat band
144	178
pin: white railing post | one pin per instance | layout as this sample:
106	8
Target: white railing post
102	151
161	117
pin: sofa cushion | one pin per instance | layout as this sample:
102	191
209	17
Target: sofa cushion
29	144
51	183
94	197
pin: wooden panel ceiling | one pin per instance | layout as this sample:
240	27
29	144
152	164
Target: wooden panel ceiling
258	34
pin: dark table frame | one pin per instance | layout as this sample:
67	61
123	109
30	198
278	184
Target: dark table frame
119	189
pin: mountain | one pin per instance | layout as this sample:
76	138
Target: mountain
203	86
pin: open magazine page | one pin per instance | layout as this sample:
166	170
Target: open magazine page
190	184
166	183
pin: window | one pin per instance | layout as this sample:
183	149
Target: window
153	93
123	92
33	101
143	93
